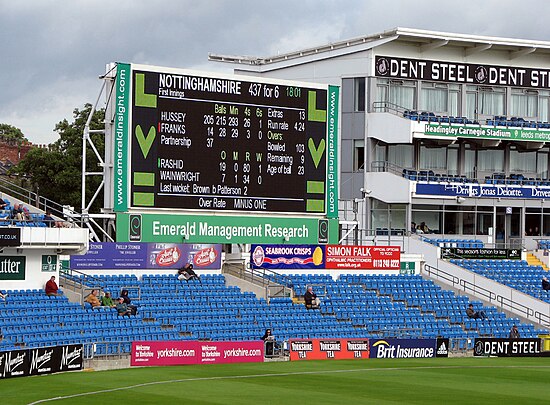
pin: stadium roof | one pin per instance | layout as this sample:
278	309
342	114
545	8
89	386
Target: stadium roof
426	40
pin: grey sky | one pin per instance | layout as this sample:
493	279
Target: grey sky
52	52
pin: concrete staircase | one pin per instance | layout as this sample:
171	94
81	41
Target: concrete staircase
532	260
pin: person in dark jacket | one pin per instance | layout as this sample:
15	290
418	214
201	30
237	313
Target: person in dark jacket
545	284
514	333
187	273
128	301
311	300
475	314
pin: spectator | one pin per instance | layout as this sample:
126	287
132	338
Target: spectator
424	228
3	295
475	314
17	213
122	308
187	273
545	284
3	204
311	300
128	301
413	227
51	287
269	343
107	300
514	333
267	335
92	299
49	220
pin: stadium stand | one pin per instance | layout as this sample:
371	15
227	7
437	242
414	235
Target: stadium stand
517	274
170	309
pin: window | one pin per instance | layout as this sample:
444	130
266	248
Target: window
359	94
542	163
439	159
524	162
492	101
524	103
440	98
396	94
490	160
401	155
358	154
486	101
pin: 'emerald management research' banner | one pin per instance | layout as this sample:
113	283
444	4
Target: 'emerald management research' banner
137	255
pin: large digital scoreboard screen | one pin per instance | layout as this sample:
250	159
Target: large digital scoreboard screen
227	143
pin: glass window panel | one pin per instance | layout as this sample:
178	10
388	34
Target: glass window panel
434	99
454	104
523	104
492	102
524	162
358	154
542	164
484	222
359	99
471	106
402	94
401	155
490	160
543	108
433	159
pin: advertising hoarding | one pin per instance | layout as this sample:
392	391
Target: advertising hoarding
169	353
508	347
407	348
168	228
138	255
328	349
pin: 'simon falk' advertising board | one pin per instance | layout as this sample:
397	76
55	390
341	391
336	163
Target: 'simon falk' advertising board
223	143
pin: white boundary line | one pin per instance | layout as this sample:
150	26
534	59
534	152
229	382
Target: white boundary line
233	377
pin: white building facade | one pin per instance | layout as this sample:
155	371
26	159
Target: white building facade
448	130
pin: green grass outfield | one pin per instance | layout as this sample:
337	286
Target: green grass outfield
375	381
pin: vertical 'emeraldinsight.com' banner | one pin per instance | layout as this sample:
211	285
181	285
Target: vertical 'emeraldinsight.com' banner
332	152
122	111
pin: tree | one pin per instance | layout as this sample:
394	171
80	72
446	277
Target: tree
56	173
9	133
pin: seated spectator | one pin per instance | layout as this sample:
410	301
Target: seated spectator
475	314
51	222
128	301
545	284
122	308
311	300
51	288
18	213
3	204
107	300
3	295
514	333
423	228
92	299
187	273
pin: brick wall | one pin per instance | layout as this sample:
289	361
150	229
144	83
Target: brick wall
12	152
